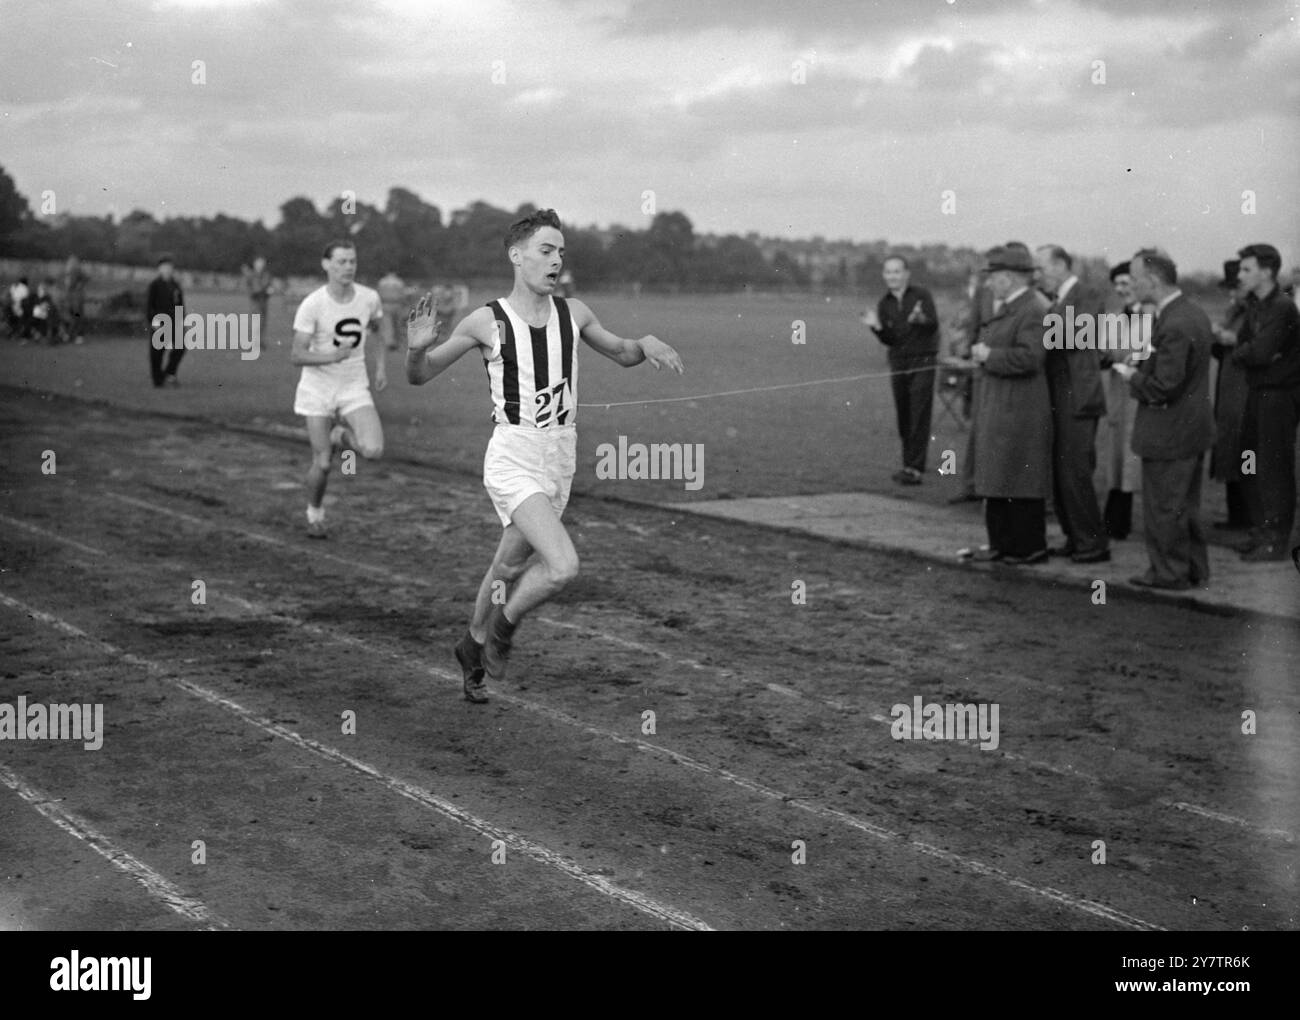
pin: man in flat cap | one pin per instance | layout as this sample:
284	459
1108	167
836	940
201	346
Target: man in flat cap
166	299
1013	418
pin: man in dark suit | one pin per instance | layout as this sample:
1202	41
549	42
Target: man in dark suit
1013	416
906	322
1174	426
166	299
1230	390
1269	349
1074	386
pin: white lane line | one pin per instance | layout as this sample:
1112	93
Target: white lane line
537	852
1219	816
1065	770
623	643
695	765
15	522
386	573
155	884
425	798
790	692
378	570
265	611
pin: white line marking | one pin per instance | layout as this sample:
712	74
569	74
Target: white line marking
544	855
426	798
88	550
541	617
1229	819
1062	769
387	574
843	817
556	715
695	765
790	692
155	884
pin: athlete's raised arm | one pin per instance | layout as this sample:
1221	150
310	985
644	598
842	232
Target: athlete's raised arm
423	359
624	351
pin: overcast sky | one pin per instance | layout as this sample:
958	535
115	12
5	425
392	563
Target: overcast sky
586	105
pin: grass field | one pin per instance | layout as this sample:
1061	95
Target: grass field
808	439
832	437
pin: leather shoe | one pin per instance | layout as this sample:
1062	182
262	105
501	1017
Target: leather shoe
1094	556
1026	561
1147	581
985	554
1264	554
1061	550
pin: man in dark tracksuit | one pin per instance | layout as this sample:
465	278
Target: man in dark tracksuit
1268	346
165	298
906	322
1074	383
1174	426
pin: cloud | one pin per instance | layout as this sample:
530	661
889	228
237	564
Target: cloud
699	101
1175	9
807	21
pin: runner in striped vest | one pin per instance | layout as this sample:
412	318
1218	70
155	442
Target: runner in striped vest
532	372
527	343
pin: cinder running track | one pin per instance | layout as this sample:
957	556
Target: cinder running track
558	805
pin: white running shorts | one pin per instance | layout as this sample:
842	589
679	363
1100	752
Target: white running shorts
522	461
323	396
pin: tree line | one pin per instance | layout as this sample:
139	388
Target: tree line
415	239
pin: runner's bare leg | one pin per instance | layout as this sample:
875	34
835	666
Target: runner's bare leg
508	563
557	561
322	453
364	433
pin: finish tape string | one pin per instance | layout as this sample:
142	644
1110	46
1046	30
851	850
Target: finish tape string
769	389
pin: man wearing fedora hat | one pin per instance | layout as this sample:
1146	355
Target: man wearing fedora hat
1269	350
165	298
1013	418
1230	404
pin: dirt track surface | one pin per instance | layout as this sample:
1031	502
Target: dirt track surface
224	721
